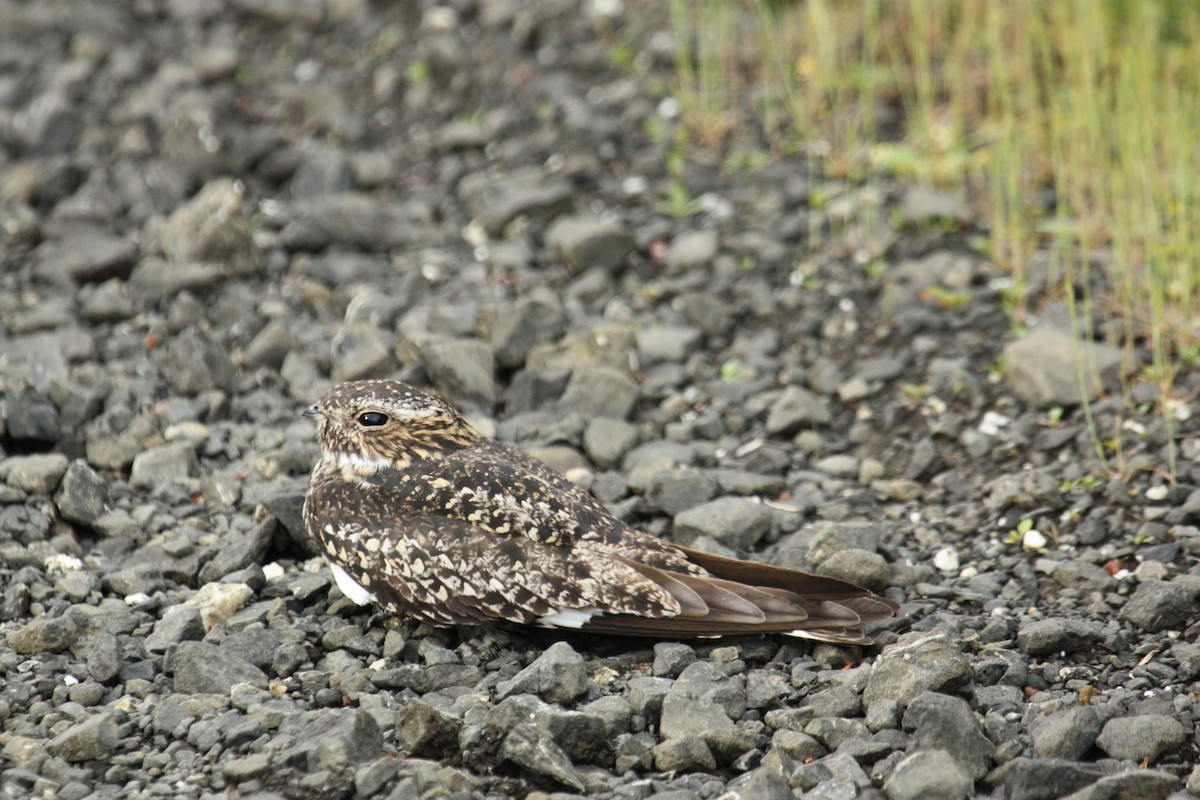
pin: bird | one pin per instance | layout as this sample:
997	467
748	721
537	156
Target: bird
419	514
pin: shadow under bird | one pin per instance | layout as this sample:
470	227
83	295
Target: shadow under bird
419	514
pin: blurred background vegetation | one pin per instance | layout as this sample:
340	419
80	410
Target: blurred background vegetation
1071	127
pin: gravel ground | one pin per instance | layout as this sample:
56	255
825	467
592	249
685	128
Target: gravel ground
212	209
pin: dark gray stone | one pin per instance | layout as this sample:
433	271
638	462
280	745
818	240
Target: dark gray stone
164	464
675	491
90	740
831	537
1134	784
239	550
587	242
29	417
213	226
425	731
178	624
600	391
928	774
43	635
513	329
194	362
1160	604
496	199
1145	736
1039	367
917	662
607	440
83	495
533	750
1058	634
670	658
860	567
1043	778
558	675
1068	734
942	722
796	408
463	369
200	667
685	754
733	521
360	350
270	346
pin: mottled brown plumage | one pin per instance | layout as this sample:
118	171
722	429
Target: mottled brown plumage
418	513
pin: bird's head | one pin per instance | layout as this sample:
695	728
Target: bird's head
366	426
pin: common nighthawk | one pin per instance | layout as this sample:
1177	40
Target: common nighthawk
418	513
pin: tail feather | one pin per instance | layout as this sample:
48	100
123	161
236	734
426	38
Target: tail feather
739	597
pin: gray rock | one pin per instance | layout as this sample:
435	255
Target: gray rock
1068	734
115	438
356	220
43	635
1082	575
1137	784
463	369
532	390
359	350
928	774
675	491
331	739
734	521
604	345
29	417
764	784
1043	779
684	716
1040	368
200	667
178	624
322	173
270	346
530	749
36	474
833	733
239	550
558	675
194	362
1026	489
942	722
836	701
607	440
155	280
797	745
860	567
425	731
796	408
614	710
672	345
1160	604
288	511
88	255
587	242
691	249
161	465
684	754
137	579
213	226
83	495
600	391
1058	634
1144	736
104	657
917	662
830	537
513	329
90	740
496	199
670	658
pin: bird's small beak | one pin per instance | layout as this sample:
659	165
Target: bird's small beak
311	411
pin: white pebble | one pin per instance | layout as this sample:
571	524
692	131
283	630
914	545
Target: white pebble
272	571
136	599
1157	493
992	422
61	562
946	559
1034	540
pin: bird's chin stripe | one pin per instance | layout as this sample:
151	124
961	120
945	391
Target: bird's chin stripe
569	618
350	587
354	461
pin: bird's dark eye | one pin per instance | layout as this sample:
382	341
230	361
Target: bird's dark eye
372	419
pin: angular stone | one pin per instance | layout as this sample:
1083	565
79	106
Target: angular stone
607	440
1136	784
1147	736
463	369
161	465
928	774
598	391
796	408
43	635
917	662
36	474
425	731
734	521
535	751
213	226
82	496
1056	634
558	675
202	668
587	242
90	740
860	567
496	199
178	624
513	329
942	722
1068	734
1040	368
359	350
685	754
691	249
1160	604
193	362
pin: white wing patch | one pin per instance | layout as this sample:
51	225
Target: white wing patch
569	618
350	587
